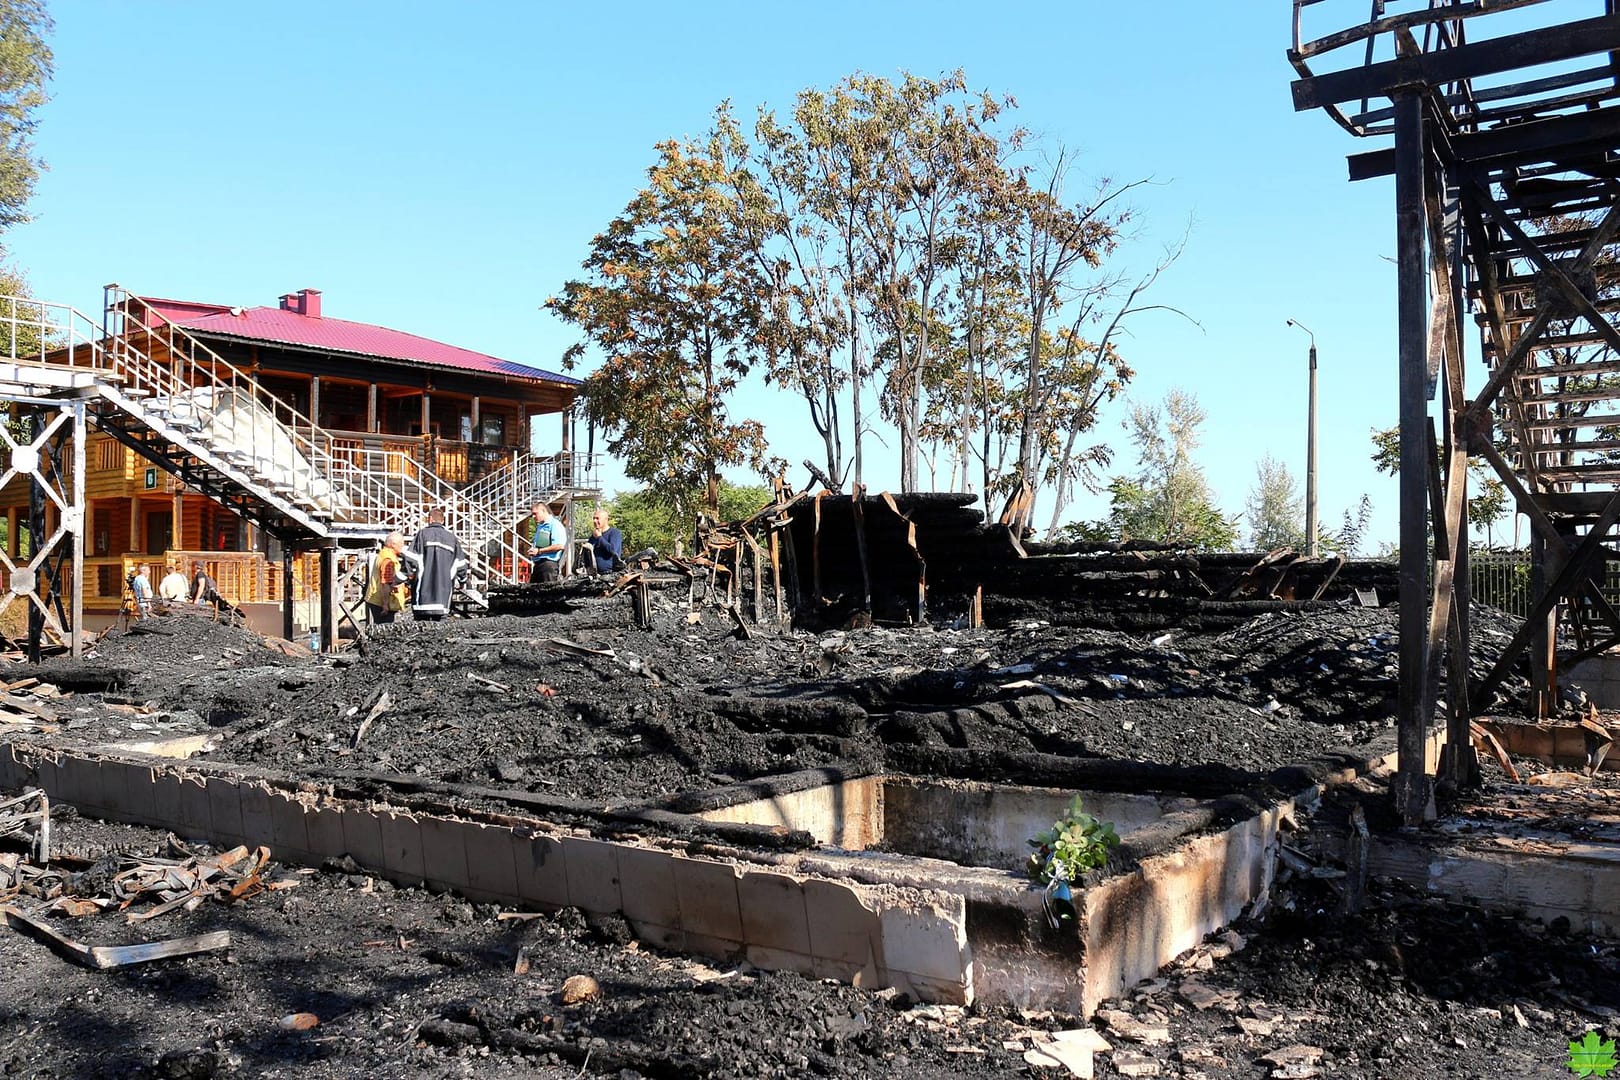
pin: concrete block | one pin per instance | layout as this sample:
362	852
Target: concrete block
542	874
778	960
724	950
773	914
662	937
492	861
115	781
928	938
78	782
938	991
593	874
140	799
196	822
647	885
257	826
444	853
707	896
402	858
225	811
289	838
845	937
323	825
362	837
166	807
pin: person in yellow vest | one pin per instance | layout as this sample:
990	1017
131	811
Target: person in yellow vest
385	592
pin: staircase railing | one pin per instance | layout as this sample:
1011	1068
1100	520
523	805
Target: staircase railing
282	440
525	477
32	330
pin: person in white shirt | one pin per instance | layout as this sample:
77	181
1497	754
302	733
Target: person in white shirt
175	586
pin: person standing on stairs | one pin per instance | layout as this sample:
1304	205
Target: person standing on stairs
437	563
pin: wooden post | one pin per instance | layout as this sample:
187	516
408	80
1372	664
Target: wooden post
315	400
857	508
1412	788
815	551
372	417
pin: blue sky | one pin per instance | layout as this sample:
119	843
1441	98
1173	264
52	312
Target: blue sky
441	169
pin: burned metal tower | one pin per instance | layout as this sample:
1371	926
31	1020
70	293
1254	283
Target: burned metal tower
1506	160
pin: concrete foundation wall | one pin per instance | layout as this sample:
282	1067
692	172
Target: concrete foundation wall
911	938
847	815
967	823
1600	678
990	825
1133	924
1555	745
1579	882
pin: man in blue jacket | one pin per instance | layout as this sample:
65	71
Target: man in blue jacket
606	543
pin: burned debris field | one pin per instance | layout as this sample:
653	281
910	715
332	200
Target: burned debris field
573	715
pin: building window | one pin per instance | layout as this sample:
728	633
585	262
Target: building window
494	433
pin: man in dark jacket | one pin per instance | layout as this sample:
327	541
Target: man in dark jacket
606	543
437	562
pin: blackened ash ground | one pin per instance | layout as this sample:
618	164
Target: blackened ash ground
407	983
499	702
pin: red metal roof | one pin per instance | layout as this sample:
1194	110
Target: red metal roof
323	333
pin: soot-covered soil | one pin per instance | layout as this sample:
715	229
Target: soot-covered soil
407	983
512	702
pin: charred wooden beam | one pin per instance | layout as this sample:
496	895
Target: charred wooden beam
1550	45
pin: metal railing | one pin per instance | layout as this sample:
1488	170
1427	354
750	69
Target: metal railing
1502	580
525	477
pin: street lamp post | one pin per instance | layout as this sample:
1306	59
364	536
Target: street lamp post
1310	449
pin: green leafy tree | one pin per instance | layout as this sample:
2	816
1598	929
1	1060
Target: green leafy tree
1275	509
1169	499
1485	507
672	302
26	66
1351	532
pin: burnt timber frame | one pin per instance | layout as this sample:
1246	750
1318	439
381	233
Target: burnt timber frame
1506	161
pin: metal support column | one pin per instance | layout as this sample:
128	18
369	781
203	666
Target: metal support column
287	556
78	528
328	567
1413	789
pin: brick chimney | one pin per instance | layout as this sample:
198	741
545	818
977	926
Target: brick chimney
303	302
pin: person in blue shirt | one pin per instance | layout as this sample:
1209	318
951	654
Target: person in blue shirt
548	539
606	543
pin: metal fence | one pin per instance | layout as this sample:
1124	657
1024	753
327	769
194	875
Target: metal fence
1502	580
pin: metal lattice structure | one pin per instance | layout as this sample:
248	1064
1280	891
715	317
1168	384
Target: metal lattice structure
1506	160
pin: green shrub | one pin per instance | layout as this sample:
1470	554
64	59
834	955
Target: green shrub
1075	843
